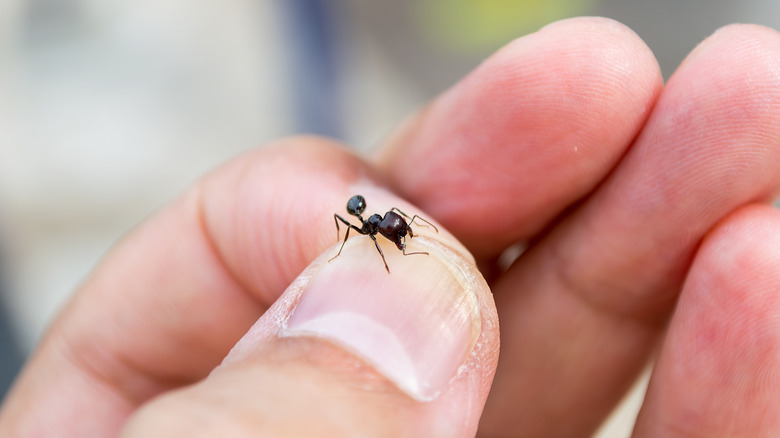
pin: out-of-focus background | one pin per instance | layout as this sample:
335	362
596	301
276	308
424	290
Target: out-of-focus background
109	108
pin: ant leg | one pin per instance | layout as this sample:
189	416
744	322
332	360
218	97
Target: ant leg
414	217
423	219
380	251
336	218
346	236
400	212
411	253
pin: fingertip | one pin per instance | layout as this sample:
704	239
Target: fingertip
731	293
528	132
741	62
604	62
746	39
593	60
718	368
614	41
749	234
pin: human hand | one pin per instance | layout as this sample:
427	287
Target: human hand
629	197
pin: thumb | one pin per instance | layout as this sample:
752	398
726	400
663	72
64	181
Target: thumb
350	350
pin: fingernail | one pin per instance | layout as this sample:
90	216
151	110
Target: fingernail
416	325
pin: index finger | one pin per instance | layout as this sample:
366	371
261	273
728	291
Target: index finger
531	131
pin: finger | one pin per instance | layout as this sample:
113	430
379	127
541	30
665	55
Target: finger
718	374
533	129
350	350
582	309
167	304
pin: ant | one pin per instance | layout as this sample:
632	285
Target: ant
392	226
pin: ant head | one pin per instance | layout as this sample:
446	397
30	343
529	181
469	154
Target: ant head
356	205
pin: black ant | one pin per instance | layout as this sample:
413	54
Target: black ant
392	226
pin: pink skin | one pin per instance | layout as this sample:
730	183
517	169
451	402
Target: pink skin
565	139
724	342
606	277
531	130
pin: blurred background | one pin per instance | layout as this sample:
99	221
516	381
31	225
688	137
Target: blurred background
110	108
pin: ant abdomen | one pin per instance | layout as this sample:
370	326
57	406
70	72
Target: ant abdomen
393	227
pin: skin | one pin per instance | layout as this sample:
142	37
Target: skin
641	206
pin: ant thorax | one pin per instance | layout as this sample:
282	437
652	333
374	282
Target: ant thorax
374	220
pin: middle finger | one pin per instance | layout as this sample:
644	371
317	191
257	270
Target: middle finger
530	131
581	311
